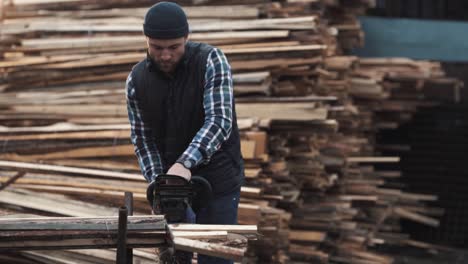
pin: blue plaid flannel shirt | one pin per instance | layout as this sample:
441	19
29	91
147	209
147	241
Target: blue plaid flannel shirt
217	102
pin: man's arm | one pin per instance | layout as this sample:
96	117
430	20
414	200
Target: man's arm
217	101
141	136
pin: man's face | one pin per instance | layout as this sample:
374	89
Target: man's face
166	53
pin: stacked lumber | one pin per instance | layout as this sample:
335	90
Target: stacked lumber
316	170
102	187
20	201
383	93
338	25
20	234
259	208
104	46
342	16
365	205
301	176
74	233
282	174
405	84
101	232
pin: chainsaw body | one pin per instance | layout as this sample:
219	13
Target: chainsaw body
171	195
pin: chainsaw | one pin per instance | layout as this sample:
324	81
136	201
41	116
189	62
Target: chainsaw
172	195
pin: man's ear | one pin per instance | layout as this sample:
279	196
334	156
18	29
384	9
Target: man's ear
147	41
186	38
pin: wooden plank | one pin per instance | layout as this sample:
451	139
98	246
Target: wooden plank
76	181
285	99
275	49
306	236
91	152
252	173
119	134
309	251
40	60
251	191
249	214
103	59
203	234
146	222
80	191
79	243
416	217
259	64
209	249
248	148
53	204
73	170
239	35
306	23
233	46
373	159
284	111
129	164
237	229
64	127
260	139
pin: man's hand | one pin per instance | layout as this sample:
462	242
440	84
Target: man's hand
179	170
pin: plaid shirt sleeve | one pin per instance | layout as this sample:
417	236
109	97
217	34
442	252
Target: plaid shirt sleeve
217	102
146	151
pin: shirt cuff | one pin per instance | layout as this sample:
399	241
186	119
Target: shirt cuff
190	158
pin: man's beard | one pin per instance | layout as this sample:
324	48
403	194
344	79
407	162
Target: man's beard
166	66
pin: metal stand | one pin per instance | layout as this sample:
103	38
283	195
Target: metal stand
129	205
124	254
122	237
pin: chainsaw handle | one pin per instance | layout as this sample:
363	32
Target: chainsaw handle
203	192
202	182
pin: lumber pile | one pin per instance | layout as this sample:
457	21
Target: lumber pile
19	234
91	41
342	16
74	233
95	185
89	231
386	93
308	117
406	84
16	202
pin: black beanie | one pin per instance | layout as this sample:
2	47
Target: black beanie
165	20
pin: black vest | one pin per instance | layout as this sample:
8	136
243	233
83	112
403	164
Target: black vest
173	107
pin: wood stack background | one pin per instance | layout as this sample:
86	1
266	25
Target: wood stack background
308	116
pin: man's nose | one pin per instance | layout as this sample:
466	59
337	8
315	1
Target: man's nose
166	55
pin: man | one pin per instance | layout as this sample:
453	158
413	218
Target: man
182	114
